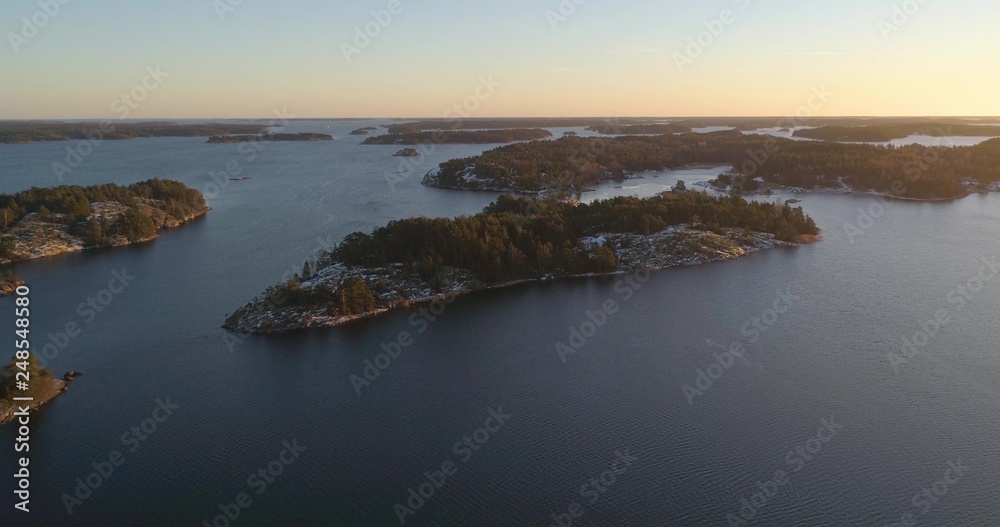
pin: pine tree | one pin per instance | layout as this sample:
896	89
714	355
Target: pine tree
355	297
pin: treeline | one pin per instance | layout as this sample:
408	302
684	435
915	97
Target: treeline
519	238
882	134
498	124
29	131
350	297
647	129
739	123
269	137
573	163
459	137
616	123
70	205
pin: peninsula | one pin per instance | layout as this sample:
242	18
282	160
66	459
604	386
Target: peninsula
42	222
515	240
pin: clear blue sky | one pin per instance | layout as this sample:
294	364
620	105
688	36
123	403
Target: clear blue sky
607	58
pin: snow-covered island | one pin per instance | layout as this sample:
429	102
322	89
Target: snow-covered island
515	241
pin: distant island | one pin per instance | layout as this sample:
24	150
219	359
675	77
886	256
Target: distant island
43	386
42	222
466	137
269	137
408	152
364	131
32	131
640	129
574	164
886	133
516	240
501	124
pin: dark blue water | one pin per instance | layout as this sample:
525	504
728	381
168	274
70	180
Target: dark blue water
239	399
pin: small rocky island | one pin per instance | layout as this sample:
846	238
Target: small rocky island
269	137
42	222
43	387
364	131
408	152
517	240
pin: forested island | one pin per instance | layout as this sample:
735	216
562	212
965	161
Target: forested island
269	137
31	131
41	222
465	137
573	164
43	386
883	134
516	240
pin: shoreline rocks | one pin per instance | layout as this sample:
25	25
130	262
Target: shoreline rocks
34	237
397	286
53	388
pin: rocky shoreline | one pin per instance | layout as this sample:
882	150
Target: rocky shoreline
9	286
52	388
397	286
34	237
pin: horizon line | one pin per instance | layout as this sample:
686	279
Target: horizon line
87	119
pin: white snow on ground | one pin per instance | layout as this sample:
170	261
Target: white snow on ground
593	241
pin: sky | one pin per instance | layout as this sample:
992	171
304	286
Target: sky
99	59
